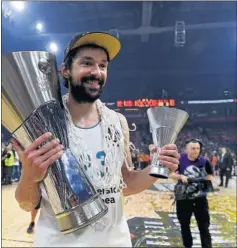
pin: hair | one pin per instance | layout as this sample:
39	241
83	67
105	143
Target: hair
223	147
196	141
73	54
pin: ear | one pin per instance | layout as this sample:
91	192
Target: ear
64	71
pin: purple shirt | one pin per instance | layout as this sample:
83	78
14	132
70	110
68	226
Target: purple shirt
192	169
199	168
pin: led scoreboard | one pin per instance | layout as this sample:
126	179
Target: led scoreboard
145	103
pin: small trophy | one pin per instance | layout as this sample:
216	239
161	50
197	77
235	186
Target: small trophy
165	124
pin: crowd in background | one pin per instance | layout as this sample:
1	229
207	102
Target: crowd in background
10	164
214	137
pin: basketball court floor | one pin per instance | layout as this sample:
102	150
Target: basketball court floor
161	230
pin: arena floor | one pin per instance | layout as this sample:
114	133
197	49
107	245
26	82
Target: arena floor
153	202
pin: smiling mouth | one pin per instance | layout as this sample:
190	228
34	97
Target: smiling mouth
93	84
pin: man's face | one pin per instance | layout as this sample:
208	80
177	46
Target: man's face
193	150
9	147
88	74
223	150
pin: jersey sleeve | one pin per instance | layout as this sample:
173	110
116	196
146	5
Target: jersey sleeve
208	168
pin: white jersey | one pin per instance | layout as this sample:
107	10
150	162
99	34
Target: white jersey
111	231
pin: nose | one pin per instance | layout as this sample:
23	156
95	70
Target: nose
96	71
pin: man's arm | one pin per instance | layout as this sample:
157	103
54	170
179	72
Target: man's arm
230	161
8	155
177	176
35	163
27	193
209	170
136	181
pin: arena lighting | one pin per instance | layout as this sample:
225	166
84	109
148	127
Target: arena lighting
110	103
180	34
39	26
18	5
211	101
131	109
53	47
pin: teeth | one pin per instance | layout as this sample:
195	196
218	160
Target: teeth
92	81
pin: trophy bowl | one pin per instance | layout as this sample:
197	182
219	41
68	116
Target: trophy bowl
165	125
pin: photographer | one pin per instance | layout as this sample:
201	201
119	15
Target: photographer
190	199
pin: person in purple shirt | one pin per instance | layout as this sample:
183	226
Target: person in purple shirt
192	166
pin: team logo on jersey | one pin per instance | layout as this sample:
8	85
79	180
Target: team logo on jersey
192	171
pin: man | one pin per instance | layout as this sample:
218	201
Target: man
214	162
226	163
192	165
95	133
9	161
3	154
16	169
206	156
134	159
33	214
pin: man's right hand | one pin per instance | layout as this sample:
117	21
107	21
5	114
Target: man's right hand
35	162
184	179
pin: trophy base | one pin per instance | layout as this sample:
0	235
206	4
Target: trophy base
82	216
159	172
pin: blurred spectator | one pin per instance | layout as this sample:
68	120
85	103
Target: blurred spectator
143	159
9	160
214	162
3	154
16	169
226	164
206	156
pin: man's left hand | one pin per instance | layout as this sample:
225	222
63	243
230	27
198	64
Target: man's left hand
168	156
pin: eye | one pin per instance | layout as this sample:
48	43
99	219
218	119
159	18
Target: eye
103	66
87	63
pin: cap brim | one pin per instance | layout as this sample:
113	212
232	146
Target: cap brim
107	41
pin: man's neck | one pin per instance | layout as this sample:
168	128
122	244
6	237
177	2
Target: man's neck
83	114
191	159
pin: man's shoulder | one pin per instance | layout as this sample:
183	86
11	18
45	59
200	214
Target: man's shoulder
183	155
202	158
114	114
123	121
121	117
118	116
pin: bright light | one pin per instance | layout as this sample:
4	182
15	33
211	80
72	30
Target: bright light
53	47
18	5
39	26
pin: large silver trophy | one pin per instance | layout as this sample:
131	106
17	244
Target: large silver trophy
165	125
32	106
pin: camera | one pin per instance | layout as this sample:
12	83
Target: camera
193	189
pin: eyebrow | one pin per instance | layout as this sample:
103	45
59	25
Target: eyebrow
90	58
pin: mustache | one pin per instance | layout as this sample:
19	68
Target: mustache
100	81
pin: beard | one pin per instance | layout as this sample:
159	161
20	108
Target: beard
83	94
